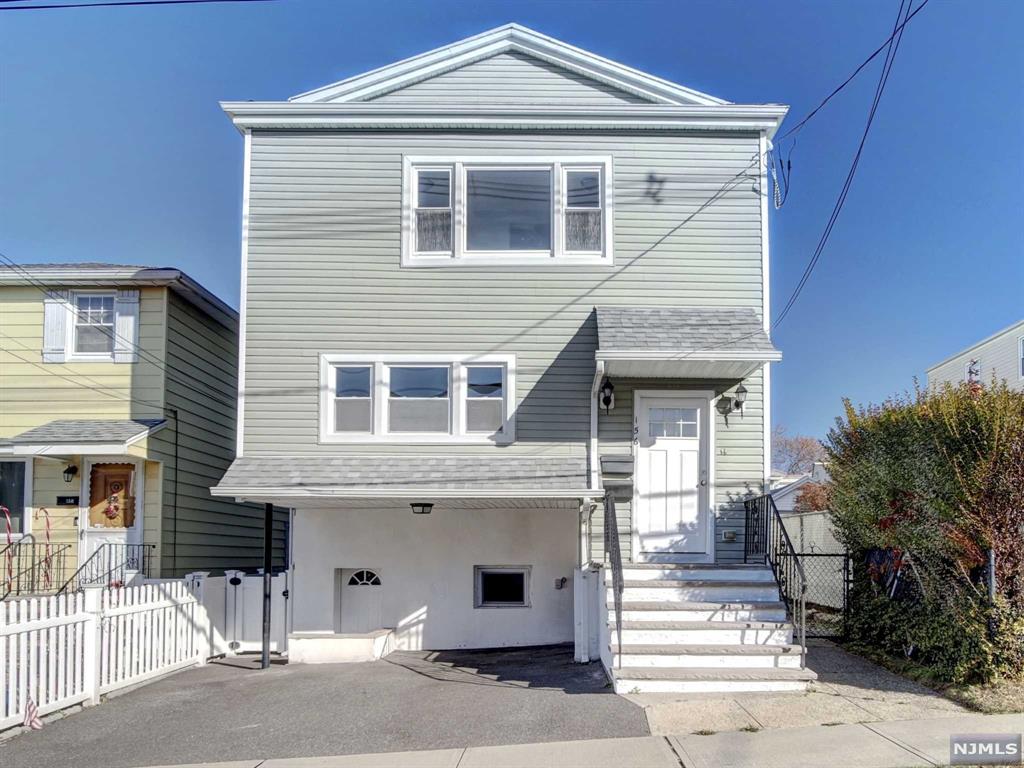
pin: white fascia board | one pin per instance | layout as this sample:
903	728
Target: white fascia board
510	37
709	356
70	449
408	493
301	116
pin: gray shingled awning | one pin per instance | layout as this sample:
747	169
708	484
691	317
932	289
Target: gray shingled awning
94	436
682	342
405	476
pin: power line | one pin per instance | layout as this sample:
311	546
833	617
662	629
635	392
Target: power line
890	58
142	353
857	71
115	3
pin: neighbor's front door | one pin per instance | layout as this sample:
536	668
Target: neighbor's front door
113	512
671	494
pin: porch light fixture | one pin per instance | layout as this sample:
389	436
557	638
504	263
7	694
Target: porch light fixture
69	473
421	507
739	398
607	394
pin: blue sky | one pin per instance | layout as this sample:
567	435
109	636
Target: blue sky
113	148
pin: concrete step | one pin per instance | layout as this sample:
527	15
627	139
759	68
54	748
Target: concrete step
688	572
704	632
705	680
706	656
685	610
660	590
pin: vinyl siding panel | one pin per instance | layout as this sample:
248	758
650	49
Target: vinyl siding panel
514	78
198	531
998	358
33	393
324	271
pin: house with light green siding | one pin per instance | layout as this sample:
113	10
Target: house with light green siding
999	357
118	407
505	302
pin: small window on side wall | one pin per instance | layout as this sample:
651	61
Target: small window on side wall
506	586
13	485
583	216
433	210
485	398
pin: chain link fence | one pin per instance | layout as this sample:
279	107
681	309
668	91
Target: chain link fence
827	567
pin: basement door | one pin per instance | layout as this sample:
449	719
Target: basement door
671	509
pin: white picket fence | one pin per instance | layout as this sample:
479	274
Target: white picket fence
72	649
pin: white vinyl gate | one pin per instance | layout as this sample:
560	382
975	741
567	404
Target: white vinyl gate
71	649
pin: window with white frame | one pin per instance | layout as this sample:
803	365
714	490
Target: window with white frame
417	398
93	331
505	586
507	211
1020	360
15	491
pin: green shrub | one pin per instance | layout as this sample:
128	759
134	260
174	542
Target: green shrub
937	479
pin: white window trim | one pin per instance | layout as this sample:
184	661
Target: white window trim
71	354
26	523
460	255
380	363
1020	358
478	572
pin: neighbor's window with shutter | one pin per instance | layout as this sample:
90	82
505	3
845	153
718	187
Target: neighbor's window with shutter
417	398
506	211
94	328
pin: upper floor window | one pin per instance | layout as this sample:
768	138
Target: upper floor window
506	211
93	331
417	398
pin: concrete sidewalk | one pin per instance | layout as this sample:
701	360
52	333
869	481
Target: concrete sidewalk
895	744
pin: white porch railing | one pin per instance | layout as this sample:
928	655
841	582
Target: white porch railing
71	649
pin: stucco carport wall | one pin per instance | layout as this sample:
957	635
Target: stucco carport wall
426	565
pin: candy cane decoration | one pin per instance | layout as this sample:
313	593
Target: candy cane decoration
7	549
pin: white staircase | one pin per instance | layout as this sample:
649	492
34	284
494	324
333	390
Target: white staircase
701	629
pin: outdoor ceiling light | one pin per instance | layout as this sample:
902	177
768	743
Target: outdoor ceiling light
607	394
69	473
421	507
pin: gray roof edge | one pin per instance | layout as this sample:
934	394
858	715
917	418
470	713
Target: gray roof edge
116	275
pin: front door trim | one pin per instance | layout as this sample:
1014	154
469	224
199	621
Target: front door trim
709	396
133	535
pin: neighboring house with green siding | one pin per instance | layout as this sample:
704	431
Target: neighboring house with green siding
118	393
484	289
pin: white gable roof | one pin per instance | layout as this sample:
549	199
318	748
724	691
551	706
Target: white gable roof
508	38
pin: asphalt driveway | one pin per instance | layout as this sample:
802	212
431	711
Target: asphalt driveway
231	711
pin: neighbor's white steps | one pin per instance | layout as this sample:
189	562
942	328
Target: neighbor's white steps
698	628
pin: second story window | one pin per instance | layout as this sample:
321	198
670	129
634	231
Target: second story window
485	211
94	324
417	398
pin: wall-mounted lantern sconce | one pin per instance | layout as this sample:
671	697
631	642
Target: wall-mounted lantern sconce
607	394
738	399
421	507
70	472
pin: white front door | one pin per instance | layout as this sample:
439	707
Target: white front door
360	600
671	485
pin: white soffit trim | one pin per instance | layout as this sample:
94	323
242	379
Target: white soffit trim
706	355
269	115
510	37
411	493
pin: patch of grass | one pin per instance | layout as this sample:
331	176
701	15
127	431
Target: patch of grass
996	698
703	732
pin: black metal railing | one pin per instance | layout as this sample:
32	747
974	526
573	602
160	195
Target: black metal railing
768	540
613	553
111	565
31	567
